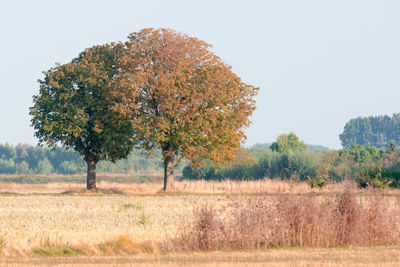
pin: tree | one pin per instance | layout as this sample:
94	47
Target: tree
22	168
374	131
44	167
288	142
362	154
79	106
191	103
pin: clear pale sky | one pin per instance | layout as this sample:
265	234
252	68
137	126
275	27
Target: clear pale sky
318	63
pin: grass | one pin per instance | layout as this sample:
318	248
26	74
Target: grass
54	251
28	221
133	206
293	221
125	246
130	206
143	219
184	188
47	223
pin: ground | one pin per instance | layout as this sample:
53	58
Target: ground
55	215
376	256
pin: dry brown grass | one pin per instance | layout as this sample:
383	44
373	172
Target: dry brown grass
128	219
293	221
85	222
228	187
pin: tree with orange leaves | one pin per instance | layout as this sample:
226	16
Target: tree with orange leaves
190	102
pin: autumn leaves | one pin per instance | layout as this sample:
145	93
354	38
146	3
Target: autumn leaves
159	90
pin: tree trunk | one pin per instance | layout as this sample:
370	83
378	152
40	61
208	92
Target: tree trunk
91	174
169	157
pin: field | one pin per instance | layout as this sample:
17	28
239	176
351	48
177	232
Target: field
122	220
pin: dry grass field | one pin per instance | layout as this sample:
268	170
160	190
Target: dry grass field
27	222
137	219
227	187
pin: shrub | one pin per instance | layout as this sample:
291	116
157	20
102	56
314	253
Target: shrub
317	181
293	220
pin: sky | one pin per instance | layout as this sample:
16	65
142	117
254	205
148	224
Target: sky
318	63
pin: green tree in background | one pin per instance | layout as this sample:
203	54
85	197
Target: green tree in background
374	131
22	168
362	154
44	167
77	106
7	166
288	143
24	159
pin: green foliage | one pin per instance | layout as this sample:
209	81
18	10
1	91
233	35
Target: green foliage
160	90
377	181
78	107
205	173
296	165
23	167
288	143
44	166
45	179
317	181
27	159
132	206
392	174
362	154
7	166
52	251
75	107
143	219
68	167
378	177
391	146
374	131
367	166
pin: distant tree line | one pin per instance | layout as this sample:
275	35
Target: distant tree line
310	147
290	159
298	165
287	158
28	159
374	131
284	159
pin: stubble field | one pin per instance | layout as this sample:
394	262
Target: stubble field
136	219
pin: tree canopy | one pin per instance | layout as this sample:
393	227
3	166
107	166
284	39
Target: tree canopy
288	143
77	106
191	103
374	131
362	154
160	90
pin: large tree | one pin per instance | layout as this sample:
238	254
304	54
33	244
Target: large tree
191	103
79	106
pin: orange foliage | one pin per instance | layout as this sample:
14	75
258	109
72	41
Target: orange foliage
191	103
